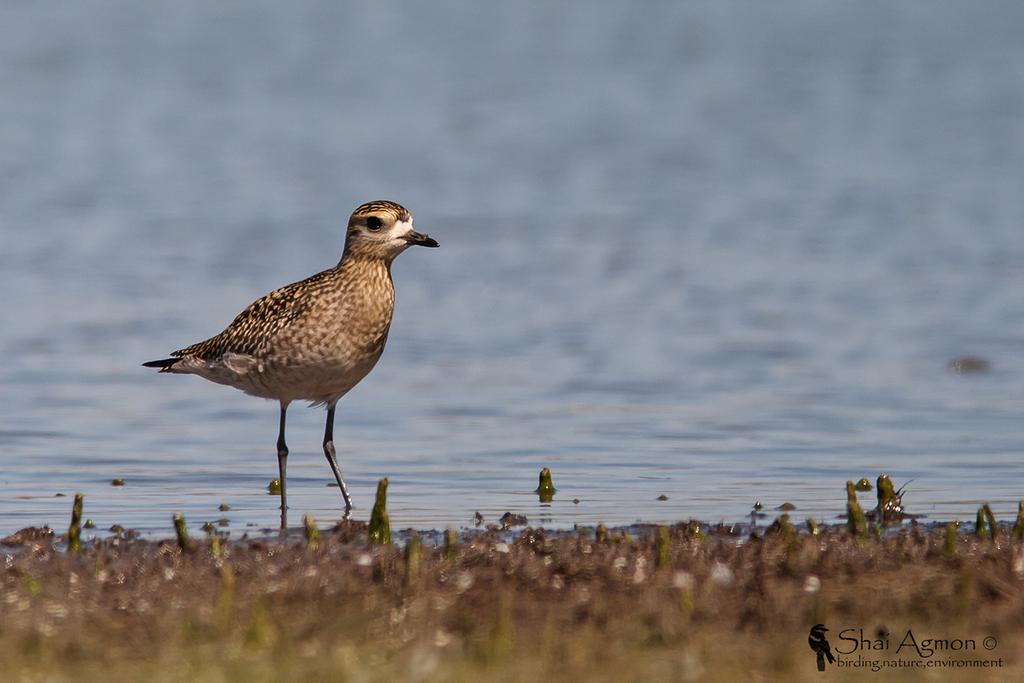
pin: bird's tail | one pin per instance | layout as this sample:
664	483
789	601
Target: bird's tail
164	364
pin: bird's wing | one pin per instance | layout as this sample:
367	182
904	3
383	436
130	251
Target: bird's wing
258	323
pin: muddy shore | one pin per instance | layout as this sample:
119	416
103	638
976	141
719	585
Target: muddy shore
686	602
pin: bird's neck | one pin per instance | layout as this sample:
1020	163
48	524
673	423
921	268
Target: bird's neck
358	258
369	294
366	267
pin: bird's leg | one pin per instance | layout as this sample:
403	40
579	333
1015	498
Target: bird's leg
332	458
282	466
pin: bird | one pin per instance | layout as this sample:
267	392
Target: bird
315	339
819	645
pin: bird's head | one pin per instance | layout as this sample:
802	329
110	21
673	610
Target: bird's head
382	229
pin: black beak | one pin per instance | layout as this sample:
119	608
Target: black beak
421	240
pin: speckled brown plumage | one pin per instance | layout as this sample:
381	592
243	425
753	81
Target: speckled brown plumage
311	340
253	328
315	339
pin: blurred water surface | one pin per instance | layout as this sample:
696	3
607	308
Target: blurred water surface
717	252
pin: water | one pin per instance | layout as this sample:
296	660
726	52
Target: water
718	252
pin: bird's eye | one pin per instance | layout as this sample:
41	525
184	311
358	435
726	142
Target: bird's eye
374	223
